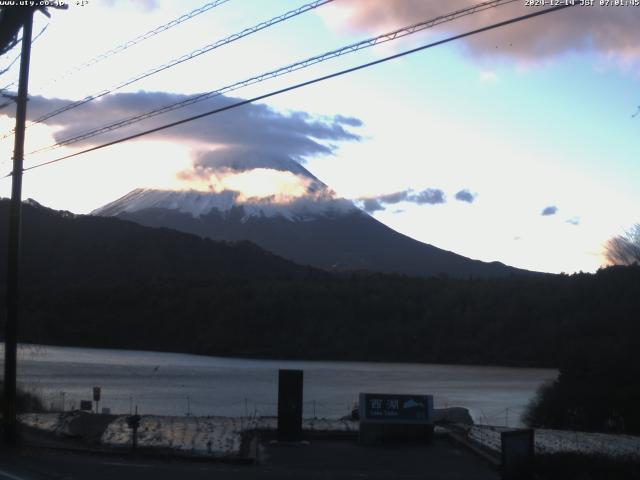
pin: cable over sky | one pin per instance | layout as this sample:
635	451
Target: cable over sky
351	48
306	83
130	43
184	58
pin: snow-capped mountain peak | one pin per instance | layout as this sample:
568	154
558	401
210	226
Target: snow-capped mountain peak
198	203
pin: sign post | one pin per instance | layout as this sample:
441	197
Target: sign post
96	396
133	421
391	417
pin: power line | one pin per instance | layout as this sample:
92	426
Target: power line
12	63
17	57
134	41
184	58
306	83
8	67
399	33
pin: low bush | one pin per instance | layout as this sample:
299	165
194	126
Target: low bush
26	401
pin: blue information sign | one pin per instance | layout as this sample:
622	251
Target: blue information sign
379	407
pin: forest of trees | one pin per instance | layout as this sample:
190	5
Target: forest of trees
543	321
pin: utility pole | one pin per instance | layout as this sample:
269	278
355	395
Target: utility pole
15	219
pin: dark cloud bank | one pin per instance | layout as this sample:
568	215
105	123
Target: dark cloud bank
244	138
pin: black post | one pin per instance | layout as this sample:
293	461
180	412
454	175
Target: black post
518	451
290	405
134	422
135	436
13	264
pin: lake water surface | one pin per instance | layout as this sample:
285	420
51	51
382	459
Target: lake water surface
177	384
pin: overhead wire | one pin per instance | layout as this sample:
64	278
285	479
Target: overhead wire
135	41
172	63
307	83
3	93
354	47
17	57
12	98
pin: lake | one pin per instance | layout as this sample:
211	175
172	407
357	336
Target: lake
178	384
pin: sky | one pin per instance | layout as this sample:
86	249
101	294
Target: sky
517	145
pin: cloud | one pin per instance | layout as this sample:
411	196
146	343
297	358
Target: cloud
144	5
242	158
371	205
254	127
573	221
253	150
548	211
259	183
465	196
245	138
396	197
431	196
607	30
350	121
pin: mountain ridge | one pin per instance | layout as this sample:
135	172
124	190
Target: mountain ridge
325	233
59	246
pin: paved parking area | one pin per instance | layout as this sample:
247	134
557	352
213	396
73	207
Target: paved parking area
318	459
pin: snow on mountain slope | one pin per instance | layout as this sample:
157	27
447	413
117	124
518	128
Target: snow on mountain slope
197	204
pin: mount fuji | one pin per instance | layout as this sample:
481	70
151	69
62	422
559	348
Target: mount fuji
313	229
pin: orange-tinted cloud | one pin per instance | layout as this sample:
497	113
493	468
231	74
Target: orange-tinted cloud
607	30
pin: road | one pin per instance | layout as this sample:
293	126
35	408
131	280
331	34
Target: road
340	460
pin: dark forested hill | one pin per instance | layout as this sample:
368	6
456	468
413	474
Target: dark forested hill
104	282
62	249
